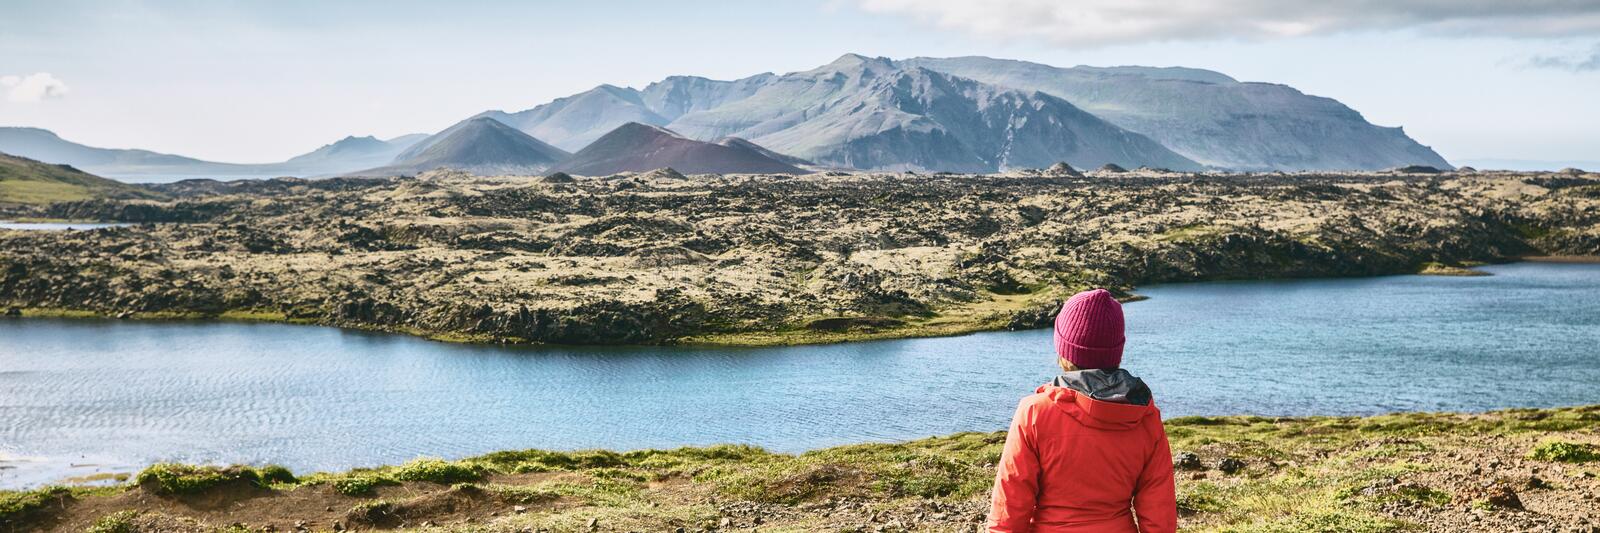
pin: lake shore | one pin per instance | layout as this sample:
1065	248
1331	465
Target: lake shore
1522	469
755	260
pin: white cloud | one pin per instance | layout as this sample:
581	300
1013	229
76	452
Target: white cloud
1109	22
36	87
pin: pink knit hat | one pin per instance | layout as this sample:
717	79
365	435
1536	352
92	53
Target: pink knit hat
1089	330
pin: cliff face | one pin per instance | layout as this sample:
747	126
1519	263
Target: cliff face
758	260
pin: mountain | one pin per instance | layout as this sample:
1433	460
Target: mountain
636	147
27	181
982	114
735	142
349	154
44	145
480	145
575	121
859	112
1210	117
873	113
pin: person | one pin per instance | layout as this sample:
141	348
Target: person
1086	452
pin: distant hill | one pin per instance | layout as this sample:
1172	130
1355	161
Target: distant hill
26	181
636	147
1488	163
349	154
1210	117
481	145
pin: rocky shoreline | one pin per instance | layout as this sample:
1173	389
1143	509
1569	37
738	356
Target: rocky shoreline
755	260
1514	470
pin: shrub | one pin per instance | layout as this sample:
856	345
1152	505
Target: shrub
1565	452
438	471
171	478
276	474
354	486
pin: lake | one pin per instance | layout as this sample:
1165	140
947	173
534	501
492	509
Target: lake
58	226
79	397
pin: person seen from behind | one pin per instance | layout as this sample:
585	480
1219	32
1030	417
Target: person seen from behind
1086	452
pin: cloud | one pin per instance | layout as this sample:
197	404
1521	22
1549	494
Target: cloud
36	87
1110	22
1581	64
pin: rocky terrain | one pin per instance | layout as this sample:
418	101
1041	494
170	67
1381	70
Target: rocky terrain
1517	470
659	257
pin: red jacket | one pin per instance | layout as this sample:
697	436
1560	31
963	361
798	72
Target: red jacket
1075	464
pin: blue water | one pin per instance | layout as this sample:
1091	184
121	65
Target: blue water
84	396
58	226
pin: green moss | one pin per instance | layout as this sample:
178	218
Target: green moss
171	478
16	505
1201	497
438	471
118	522
355	486
1324	522
1565	452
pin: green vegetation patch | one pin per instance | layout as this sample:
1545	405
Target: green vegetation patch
172	478
16	505
1565	452
439	471
118	522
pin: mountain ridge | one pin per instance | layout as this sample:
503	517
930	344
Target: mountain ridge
344	155
638	147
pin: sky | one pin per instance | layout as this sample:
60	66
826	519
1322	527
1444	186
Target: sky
254	82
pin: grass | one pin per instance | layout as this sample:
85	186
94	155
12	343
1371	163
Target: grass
17	506
439	471
118	522
1302	474
25	181
41	192
178	479
1565	452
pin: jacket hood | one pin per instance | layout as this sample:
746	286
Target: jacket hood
1106	399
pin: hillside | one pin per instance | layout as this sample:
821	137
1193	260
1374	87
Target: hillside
348	154
635	147
1512	470
480	145
25	181
1210	117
